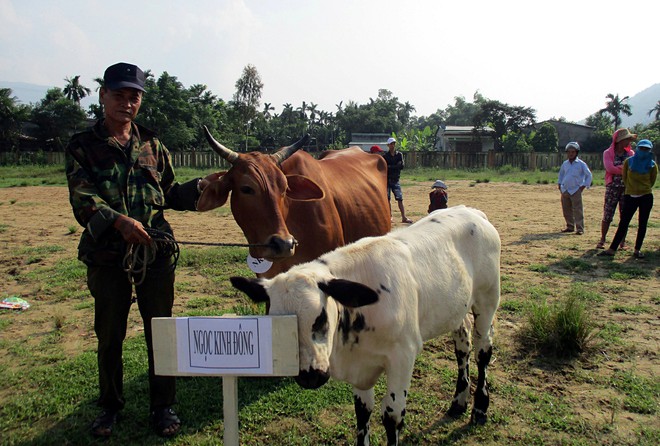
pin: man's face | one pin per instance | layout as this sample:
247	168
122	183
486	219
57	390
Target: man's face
571	154
391	146
121	106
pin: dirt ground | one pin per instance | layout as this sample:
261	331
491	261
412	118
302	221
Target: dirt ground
528	218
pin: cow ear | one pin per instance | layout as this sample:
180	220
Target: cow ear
303	188
214	195
349	294
252	287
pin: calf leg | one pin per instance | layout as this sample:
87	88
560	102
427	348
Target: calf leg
462	347
364	406
399	375
483	339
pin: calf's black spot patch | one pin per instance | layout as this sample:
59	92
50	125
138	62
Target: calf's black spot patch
320	326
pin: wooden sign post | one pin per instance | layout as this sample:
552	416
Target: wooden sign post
227	346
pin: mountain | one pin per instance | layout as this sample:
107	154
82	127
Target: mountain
640	104
32	93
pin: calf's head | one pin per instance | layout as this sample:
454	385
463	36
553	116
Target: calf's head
314	302
260	196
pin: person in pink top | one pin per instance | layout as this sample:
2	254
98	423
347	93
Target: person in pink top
613	158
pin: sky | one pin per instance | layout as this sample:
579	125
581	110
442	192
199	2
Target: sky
560	58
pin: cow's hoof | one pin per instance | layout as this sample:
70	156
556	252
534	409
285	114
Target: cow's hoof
478	418
456	410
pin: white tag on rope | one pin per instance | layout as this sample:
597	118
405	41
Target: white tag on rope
258	265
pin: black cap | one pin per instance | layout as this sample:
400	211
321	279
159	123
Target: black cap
123	75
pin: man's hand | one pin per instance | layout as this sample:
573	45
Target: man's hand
132	230
209	179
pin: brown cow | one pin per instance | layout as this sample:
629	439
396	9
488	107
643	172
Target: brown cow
299	207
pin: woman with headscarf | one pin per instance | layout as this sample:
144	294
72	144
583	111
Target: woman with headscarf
613	158
639	175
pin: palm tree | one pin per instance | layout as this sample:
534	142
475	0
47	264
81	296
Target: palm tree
99	83
405	111
655	110
267	109
303	110
74	90
312	107
616	107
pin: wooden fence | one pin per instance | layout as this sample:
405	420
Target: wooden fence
494	160
439	160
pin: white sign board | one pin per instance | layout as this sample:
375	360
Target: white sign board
217	346
236	346
227	346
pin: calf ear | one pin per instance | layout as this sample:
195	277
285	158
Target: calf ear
252	287
302	188
350	294
214	195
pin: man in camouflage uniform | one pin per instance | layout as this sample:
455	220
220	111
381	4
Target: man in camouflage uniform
120	179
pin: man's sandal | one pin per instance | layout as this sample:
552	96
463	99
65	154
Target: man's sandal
104	423
165	422
600	245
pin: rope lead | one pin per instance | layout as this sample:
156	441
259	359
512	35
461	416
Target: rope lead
140	258
164	248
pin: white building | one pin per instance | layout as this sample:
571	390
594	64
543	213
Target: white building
457	138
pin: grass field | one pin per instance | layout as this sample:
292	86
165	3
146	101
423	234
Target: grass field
609	394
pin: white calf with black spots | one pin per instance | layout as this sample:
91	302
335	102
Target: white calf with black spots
367	308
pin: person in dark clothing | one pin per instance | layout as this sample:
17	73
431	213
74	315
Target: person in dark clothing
121	178
394	160
438	196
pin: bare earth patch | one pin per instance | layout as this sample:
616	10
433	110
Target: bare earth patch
534	251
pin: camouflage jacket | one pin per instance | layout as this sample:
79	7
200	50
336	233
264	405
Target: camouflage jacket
105	181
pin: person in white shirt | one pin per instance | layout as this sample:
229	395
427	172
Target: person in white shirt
574	177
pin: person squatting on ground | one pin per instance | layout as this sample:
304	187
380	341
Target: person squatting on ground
120	178
394	160
438	196
639	175
574	177
613	158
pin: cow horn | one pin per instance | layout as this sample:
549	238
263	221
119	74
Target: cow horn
286	152
221	150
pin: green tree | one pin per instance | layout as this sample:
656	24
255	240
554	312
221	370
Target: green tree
600	122
412	139
381	115
177	113
616	107
248	94
268	108
74	90
404	112
655	110
434	120
463	112
516	141
96	110
58	118
503	118
12	114
545	139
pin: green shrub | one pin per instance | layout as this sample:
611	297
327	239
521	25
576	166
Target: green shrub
562	329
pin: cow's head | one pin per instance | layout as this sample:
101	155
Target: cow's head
260	196
307	297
